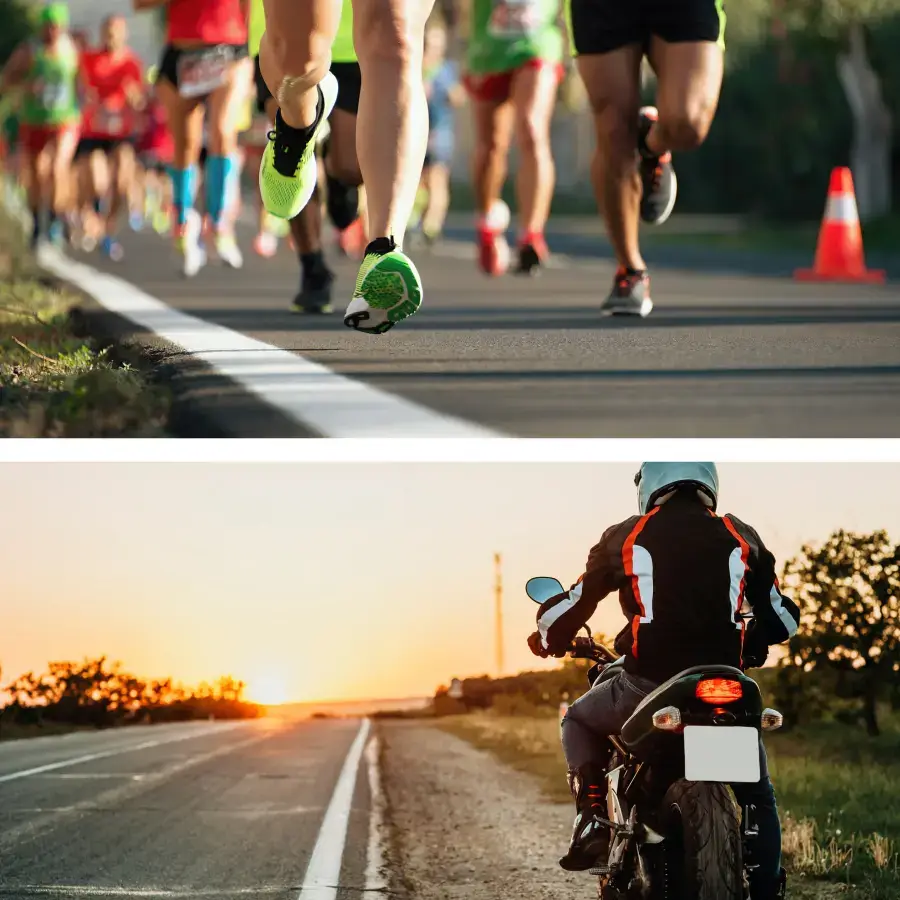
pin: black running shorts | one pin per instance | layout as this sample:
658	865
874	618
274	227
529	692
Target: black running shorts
349	82
346	74
263	94
600	26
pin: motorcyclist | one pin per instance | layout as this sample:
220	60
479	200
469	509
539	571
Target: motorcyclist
683	574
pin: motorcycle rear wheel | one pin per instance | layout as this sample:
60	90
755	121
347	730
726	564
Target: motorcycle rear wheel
703	819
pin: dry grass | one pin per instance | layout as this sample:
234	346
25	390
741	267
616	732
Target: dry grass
54	382
837	791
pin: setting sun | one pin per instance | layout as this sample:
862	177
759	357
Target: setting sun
268	689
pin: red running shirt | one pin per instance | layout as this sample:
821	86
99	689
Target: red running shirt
107	78
157	138
206	22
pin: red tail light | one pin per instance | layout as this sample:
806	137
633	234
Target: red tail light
719	690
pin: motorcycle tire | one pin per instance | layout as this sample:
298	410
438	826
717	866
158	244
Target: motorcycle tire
705	817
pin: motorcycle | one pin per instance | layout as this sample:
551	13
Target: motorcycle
677	831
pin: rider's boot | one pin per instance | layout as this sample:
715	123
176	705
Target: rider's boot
773	890
589	847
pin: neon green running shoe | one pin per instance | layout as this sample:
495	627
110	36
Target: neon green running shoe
388	290
287	178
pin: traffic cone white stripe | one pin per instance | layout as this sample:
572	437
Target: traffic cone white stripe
841	208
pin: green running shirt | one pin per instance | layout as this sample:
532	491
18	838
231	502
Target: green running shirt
506	34
52	94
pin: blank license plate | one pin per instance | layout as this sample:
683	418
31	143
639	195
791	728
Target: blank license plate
717	753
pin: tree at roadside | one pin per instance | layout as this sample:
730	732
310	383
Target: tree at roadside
848	644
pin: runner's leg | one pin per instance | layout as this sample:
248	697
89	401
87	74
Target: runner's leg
689	78
294	57
122	177
494	118
534	90
185	119
98	181
343	181
31	166
438	186
62	152
306	230
392	134
224	108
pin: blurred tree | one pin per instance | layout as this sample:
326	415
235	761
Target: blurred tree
848	590
18	25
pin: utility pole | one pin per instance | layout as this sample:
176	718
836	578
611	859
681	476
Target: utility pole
498	612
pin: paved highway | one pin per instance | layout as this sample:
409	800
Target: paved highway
257	809
735	348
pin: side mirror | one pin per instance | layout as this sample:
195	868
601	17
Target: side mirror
541	589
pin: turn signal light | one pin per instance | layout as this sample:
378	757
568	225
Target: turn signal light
667	719
719	690
771	719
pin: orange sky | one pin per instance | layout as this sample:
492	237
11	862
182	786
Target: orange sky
320	581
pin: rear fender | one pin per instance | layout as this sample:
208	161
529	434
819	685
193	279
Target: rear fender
643	740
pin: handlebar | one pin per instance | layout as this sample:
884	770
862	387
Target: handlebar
588	648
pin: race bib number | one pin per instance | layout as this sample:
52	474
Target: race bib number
52	95
203	71
110	123
514	19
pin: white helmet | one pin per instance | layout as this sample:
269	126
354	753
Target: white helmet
657	478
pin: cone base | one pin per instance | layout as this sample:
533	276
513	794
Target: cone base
869	276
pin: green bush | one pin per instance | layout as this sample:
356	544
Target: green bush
783	121
18	25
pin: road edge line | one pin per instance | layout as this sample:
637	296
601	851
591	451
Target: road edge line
306	392
103	754
324	869
375	880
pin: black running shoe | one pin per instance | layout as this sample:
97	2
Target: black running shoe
630	295
315	293
531	258
660	186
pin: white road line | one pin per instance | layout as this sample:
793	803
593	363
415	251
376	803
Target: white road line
324	870
87	890
104	754
311	394
375	880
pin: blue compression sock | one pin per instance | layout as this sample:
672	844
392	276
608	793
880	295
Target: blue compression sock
184	184
219	177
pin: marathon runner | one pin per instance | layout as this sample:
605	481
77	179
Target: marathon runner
112	84
343	178
444	94
202	76
156	150
314	295
393	131
47	71
342	172
513	70
684	41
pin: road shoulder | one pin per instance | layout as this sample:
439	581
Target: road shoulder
465	827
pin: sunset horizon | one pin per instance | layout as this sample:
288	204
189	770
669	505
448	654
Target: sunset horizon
238	579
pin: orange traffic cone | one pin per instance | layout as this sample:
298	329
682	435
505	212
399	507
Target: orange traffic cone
839	252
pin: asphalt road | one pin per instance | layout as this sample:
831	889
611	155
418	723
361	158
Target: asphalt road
735	348
188	810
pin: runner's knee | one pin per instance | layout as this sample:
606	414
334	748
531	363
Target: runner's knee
616	136
345	169
687	125
531	136
385	37
305	62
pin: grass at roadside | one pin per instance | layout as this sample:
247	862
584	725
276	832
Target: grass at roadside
881	236
837	791
53	382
